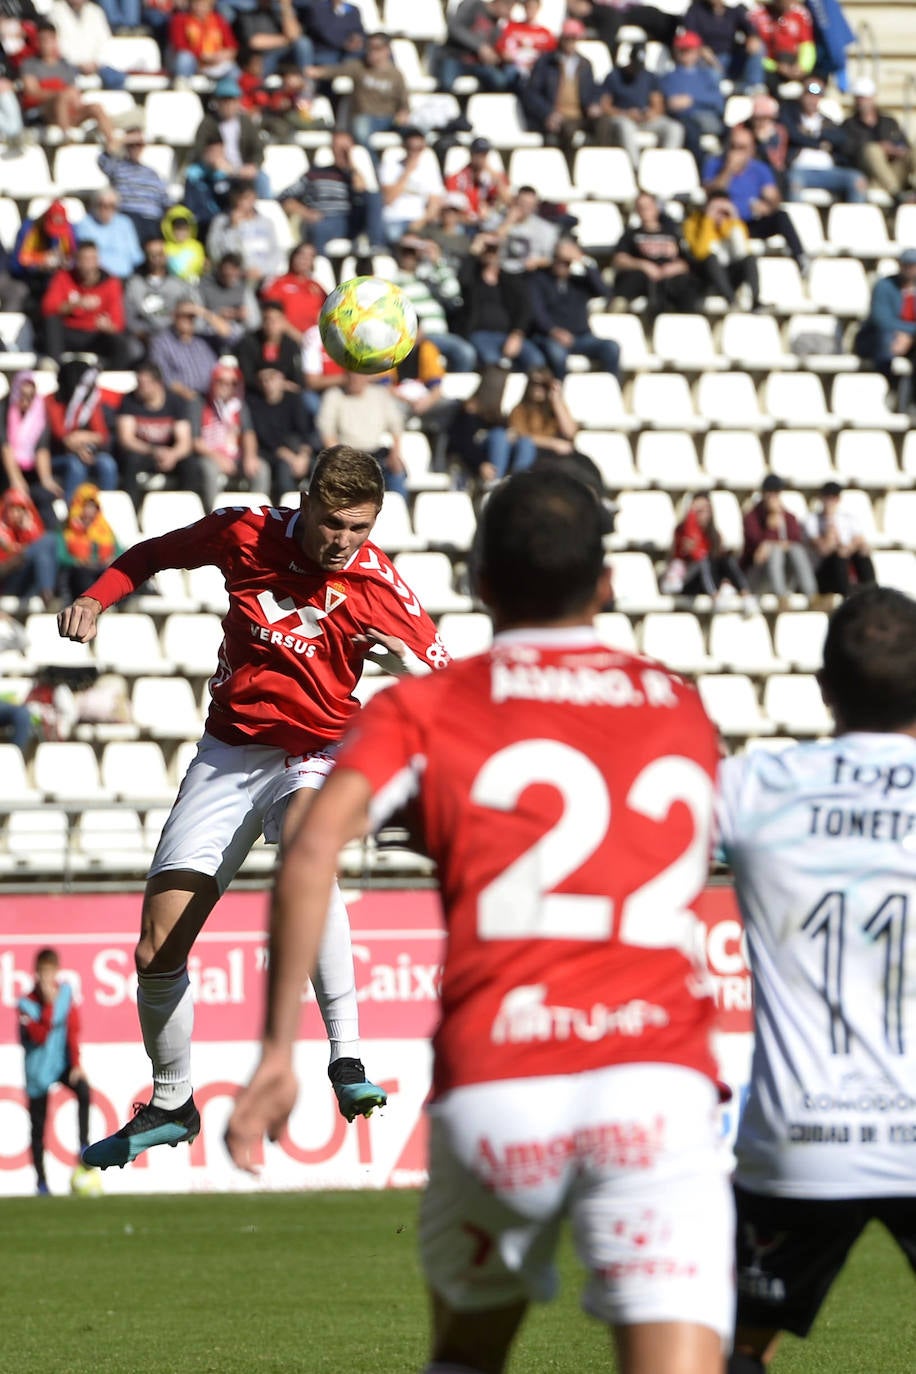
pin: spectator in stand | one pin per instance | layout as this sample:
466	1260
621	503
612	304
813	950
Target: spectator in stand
284	110
201	43
244	230
541	425
839	543
28	551
816	147
731	44
526	238
692	93
143	195
184	358
561	98
876	144
496	311
243	151
411	186
751	187
478	434
86	544
226	442
560	297
208	181
787	32
378	102
151	297
184	253
607	17
82	31
364	414
449	233
50	94
112	233
26	446
83	310
336	30
129	14
298	293
485	188
889	331
334	201
270	29
652	266
718	241
154	438
11	125
523	41
774	545
44	245
282	432
318	370
228	306
271	346
80	438
700	564
470	49
632	103
771	138
417	277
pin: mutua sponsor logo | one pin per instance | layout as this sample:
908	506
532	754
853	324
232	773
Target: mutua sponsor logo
525	1016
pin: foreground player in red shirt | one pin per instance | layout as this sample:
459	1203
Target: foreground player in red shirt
309	597
569	815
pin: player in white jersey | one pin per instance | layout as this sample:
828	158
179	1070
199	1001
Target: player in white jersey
822	843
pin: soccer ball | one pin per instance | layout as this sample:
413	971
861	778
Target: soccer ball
368	325
85	1182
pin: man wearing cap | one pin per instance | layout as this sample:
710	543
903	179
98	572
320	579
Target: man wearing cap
774	544
485	189
243	151
632	103
692	93
474	27
839	544
889	330
561	97
877	144
143	194
817	150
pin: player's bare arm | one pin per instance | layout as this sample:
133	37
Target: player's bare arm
298	911
79	621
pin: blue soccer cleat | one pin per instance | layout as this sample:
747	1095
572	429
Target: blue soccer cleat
150	1125
356	1096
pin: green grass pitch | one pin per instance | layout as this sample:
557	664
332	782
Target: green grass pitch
321	1283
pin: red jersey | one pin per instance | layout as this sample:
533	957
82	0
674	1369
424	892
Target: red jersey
783	34
106	297
521	44
565	791
288	663
480	194
301	300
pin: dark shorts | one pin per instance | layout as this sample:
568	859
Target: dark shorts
790	1250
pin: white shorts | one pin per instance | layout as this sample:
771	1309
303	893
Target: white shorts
232	793
632	1155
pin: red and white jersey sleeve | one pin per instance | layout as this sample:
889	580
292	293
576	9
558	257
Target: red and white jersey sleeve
292	653
565	791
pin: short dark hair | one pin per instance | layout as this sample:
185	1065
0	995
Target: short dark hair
345	476
150	368
869	672
231	259
47	956
539	552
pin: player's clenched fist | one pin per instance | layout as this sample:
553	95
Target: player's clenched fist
79	621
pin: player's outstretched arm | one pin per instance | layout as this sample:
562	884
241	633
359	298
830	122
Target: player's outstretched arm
79	620
302	891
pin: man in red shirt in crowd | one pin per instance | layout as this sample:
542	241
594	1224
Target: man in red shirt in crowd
485	189
300	295
83	309
565	790
309	598
787	31
523	40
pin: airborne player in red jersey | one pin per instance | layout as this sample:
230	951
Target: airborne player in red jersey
309	598
565	790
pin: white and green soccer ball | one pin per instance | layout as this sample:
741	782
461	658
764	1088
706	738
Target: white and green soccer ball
86	1182
367	324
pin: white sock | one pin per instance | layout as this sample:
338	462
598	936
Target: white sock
335	982
166	1009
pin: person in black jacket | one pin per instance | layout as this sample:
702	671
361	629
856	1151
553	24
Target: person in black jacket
561	98
559	306
652	265
496	314
877	145
810	131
